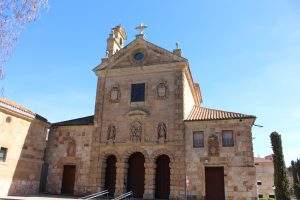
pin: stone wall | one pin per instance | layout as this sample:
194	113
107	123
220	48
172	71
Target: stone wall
238	163
265	175
122	115
25	139
69	145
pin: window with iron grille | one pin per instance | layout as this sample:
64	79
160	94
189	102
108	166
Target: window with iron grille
138	92
3	153
198	139
227	139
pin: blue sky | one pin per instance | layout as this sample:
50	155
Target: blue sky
245	55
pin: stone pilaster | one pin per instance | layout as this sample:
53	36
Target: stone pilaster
120	177
149	179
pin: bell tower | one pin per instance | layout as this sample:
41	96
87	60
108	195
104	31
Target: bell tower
115	40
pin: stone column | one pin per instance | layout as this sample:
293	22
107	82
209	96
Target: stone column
149	179
120	177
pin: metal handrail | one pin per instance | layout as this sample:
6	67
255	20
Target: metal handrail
98	194
123	196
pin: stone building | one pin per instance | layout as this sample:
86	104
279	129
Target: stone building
22	144
150	133
265	176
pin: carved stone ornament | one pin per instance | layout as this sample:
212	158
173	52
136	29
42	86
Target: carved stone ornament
162	90
161	131
115	94
136	131
213	145
111	133
71	149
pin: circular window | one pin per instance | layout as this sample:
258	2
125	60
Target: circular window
138	56
8	119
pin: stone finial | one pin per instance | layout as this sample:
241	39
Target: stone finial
177	51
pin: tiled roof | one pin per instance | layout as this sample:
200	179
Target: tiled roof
89	120
9	104
262	160
15	105
202	114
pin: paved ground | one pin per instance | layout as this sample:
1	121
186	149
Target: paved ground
41	197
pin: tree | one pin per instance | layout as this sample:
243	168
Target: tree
280	176
296	177
14	15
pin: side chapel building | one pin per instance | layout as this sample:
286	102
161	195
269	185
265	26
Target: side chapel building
150	133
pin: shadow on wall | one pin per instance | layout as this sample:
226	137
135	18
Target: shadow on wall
26	178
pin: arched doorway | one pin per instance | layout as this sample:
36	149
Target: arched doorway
110	174
136	174
162	177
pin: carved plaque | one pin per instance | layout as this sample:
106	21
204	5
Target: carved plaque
136	131
162	90
213	145
115	94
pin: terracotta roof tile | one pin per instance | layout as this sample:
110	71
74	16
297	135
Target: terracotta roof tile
19	108
262	160
201	114
16	105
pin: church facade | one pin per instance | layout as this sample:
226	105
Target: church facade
150	133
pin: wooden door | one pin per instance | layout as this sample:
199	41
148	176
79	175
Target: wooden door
68	179
136	175
214	183
162	177
110	174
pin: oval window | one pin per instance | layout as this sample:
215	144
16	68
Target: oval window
139	56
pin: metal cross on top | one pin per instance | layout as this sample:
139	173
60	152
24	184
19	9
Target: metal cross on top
141	28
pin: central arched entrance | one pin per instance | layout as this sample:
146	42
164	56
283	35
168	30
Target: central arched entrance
162	177
136	174
110	174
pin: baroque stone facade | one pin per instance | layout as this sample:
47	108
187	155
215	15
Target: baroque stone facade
142	136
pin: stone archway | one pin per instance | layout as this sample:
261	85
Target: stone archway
107	166
162	177
136	174
110	174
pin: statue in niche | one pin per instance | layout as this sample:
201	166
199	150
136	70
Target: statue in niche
136	131
111	133
162	131
115	94
213	145
161	90
71	149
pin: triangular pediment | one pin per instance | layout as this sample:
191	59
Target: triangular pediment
151	55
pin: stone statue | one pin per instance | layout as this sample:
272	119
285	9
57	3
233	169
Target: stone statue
71	149
213	145
162	131
136	131
111	133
